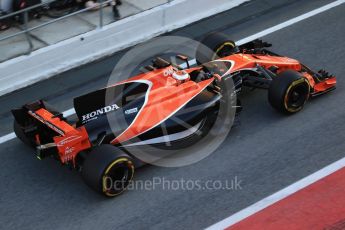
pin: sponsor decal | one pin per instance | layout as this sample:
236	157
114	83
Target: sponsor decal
53	127
69	150
169	71
68	140
36	116
68	156
95	114
130	111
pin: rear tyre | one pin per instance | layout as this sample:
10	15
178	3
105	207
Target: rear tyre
19	131
215	46
289	92
108	170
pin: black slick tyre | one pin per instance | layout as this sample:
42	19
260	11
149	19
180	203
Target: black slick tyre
108	170
214	46
289	92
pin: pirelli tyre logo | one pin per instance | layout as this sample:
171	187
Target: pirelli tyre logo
94	115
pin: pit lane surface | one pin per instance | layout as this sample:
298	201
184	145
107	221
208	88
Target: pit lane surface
266	152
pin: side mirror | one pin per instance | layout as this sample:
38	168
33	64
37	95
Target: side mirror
160	63
183	58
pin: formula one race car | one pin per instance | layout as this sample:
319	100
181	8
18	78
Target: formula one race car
164	93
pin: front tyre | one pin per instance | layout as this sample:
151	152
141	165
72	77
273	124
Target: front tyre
289	92
214	46
108	170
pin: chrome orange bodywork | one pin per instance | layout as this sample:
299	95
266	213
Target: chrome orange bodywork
165	96
243	61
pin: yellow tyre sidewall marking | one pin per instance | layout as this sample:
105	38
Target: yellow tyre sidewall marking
104	178
299	81
232	44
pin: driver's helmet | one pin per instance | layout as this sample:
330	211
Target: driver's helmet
181	75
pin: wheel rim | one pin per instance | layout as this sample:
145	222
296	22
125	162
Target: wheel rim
296	96
117	177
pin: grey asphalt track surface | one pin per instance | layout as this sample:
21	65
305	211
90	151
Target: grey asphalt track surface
266	152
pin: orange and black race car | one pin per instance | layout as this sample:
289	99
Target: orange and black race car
132	112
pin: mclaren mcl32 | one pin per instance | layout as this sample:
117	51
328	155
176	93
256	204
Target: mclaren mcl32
132	111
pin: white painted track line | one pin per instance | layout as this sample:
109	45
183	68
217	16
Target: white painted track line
280	26
291	22
69	112
7	137
305	182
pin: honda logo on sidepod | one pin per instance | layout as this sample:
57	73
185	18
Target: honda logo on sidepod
94	114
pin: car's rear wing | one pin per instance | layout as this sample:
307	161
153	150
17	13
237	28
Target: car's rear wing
50	132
